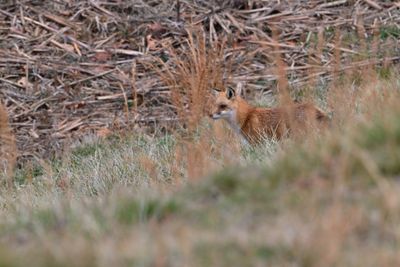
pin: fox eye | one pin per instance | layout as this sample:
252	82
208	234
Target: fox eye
223	106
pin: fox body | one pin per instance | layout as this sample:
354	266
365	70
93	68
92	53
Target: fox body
256	124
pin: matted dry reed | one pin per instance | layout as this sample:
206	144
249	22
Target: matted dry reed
68	69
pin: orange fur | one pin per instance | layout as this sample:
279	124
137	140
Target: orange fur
256	124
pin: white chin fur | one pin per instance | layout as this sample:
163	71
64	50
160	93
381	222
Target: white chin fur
227	115
216	117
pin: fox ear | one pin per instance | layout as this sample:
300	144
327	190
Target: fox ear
230	93
239	88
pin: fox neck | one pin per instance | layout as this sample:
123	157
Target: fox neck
243	111
240	115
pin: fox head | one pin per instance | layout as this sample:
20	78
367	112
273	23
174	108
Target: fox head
225	105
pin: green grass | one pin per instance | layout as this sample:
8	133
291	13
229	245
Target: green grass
390	31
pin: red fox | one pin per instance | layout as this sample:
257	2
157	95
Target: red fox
256	124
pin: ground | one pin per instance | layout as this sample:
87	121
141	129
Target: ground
191	194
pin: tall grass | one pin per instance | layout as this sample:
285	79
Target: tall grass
191	72
8	150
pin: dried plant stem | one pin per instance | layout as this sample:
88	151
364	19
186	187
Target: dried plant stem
8	150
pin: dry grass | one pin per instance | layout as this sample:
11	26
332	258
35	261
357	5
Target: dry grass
197	196
190	73
332	199
8	150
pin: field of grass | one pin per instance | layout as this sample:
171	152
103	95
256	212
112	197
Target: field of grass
178	189
329	199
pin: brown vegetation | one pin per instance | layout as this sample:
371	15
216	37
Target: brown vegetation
8	152
73	68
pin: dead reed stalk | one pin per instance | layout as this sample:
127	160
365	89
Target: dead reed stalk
283	84
8	149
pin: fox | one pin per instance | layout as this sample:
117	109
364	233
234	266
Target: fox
256	124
